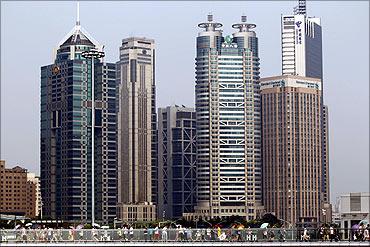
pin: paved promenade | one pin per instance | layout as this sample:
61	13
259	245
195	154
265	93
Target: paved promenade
214	244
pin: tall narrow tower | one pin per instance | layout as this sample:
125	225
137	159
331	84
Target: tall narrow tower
228	121
136	129
70	94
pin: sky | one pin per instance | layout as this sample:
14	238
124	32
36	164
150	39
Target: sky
31	30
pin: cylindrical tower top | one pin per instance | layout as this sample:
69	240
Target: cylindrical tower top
210	25
244	26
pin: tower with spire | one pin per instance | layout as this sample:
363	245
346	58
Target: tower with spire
67	137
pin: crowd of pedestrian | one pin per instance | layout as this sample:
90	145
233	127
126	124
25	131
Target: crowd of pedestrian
362	233
178	233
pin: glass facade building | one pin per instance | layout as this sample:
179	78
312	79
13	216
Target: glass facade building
66	133
176	161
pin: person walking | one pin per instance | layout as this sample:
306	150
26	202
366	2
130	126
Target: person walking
145	234
164	234
156	233
131	232
189	234
331	232
125	233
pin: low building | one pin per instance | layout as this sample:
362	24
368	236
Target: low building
20	192
33	189
351	209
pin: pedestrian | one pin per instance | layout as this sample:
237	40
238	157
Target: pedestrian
156	233
321	233
150	233
208	232
181	233
198	235
131	233
366	234
189	234
282	234
24	234
120	234
145	234
125	233
249	234
331	232
265	234
164	234
95	235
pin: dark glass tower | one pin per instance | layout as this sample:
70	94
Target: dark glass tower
66	133
176	161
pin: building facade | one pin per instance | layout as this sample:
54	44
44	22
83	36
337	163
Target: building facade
291	127
136	130
228	122
176	161
19	192
34	201
301	45
352	209
69	135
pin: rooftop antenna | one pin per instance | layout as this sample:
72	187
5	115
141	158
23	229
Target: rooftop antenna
210	17
244	18
243	26
210	25
78	14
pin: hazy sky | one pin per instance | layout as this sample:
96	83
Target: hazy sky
30	31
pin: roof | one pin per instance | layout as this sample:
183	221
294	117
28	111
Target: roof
78	36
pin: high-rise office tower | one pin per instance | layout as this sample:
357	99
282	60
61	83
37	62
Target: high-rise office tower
291	127
228	121
301	39
136	129
176	161
69	136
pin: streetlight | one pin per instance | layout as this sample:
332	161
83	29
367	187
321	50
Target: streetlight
92	54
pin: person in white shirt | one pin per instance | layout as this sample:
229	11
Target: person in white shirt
164	234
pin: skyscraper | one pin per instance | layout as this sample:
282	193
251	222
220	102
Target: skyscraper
301	39
291	127
136	129
301	44
67	140
176	161
228	121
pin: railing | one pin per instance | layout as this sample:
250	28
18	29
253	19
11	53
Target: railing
188	234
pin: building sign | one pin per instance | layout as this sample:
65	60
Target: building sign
228	42
298	32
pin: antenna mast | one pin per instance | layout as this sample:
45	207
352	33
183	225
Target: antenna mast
78	14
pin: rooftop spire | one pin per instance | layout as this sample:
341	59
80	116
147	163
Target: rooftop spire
78	14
